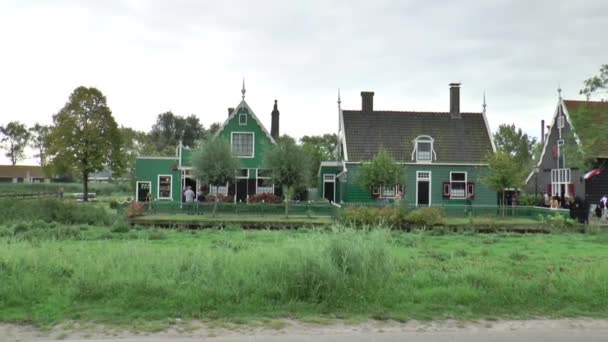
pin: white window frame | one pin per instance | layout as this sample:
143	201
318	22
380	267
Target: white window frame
265	189
238	176
560	177
424	139
425	179
218	189
466	190
170	187
560	121
252	143
240	116
137	188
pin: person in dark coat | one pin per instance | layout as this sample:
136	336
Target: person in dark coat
579	210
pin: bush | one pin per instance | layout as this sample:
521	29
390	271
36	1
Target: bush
135	209
425	217
220	198
53	210
100	189
370	216
530	200
265	198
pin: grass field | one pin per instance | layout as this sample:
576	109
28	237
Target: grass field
91	273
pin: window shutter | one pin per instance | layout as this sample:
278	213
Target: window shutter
446	189
471	189
549	192
571	189
554	152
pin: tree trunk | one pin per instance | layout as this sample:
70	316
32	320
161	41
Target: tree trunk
214	207
85	183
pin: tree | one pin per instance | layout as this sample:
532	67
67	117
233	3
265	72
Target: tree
289	167
39	134
170	129
382	171
596	84
14	139
213	163
135	144
516	143
318	148
503	173
213	129
84	137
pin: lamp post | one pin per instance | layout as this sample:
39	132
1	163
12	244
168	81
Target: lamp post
536	171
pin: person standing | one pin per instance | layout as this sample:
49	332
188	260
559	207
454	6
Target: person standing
189	195
546	200
603	204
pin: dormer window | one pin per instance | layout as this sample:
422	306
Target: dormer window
423	149
242	119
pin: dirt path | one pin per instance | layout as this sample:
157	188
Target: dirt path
293	331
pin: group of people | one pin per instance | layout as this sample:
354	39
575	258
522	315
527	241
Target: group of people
579	208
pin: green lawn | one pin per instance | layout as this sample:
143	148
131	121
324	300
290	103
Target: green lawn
88	273
236	218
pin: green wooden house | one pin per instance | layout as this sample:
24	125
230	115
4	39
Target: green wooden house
443	154
165	178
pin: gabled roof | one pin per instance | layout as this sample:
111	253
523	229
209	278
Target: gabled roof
244	104
466	140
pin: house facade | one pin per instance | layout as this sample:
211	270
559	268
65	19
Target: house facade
443	154
165	178
555	173
23	174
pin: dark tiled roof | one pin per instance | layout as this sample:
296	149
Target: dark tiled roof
599	110
462	140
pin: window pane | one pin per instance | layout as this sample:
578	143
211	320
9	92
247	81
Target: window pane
424	150
164	187
264	173
242	144
243	119
458	176
457	190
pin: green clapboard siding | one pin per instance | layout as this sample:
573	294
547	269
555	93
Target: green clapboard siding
148	170
354	192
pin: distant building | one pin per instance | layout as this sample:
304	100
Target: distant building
554	174
165	178
444	154
23	174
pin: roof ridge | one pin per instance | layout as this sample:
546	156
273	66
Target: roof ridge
405	111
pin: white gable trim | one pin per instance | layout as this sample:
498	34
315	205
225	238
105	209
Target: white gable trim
342	135
490	136
244	104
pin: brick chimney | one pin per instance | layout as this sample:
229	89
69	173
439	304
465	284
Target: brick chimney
367	101
230	110
455	100
274	126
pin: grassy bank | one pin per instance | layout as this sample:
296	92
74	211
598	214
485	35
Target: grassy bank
95	274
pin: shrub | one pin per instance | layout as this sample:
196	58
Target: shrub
425	217
362	216
135	209
220	198
265	198
53	210
530	200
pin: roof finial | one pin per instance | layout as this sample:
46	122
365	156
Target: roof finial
484	101
243	90
559	91
339	100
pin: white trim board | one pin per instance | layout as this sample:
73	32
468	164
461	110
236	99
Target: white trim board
160	158
137	188
430	186
334	182
252	144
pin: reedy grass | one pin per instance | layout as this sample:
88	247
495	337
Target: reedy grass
235	274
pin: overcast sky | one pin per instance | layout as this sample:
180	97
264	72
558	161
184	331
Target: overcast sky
189	56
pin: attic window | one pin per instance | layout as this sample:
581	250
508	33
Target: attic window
242	119
560	121
423	149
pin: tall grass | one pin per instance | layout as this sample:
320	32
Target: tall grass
228	274
114	188
53	210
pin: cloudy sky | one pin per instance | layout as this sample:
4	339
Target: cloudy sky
189	56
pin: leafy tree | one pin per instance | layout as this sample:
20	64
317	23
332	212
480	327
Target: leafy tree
135	144
596	84
14	139
382	171
318	148
516	143
213	129
213	163
289	167
85	138
503	173
170	129
39	134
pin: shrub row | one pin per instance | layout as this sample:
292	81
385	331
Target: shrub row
53	210
394	217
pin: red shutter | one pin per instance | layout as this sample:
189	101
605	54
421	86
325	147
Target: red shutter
554	152
549	190
571	190
446	189
471	189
